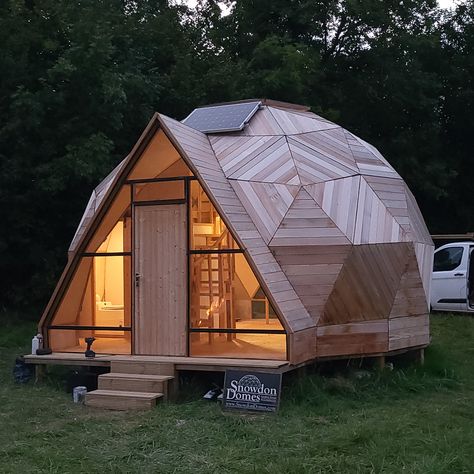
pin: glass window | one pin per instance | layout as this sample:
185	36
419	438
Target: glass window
159	191
246	345
222	286
447	259
73	340
222	289
159	158
98	295
117	220
208	231
119	238
261	307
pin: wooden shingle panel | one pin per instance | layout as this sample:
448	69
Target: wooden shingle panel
314	166
409	331
367	267
265	203
311	275
329	147
292	123
353	338
306	223
368	159
262	123
338	199
410	299
425	256
272	165
302	346
419	229
240	151
374	222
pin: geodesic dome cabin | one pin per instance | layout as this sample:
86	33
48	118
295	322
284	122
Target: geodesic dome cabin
254	229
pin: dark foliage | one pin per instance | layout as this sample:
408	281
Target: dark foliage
80	80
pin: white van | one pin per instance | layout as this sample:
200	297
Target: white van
452	284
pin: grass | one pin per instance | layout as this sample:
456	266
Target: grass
411	419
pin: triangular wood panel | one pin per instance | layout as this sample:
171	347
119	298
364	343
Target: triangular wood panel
262	123
367	284
266	203
338	199
331	145
272	165
312	271
419	230
410	331
374	151
410	299
374	222
367	161
306	223
305	113
235	152
392	193
292	123
314	166
424	257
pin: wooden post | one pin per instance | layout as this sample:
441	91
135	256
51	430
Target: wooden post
379	363
210	318
40	372
419	356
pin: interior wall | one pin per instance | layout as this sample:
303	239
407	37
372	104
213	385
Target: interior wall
246	275
157	157
242	302
108	278
116	210
71	304
115	240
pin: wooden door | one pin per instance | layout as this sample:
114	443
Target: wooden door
160	280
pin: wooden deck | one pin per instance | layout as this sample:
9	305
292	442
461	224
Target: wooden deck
211	364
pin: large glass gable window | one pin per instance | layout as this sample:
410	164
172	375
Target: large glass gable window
225	319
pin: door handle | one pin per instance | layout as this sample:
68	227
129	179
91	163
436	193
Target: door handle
137	279
459	274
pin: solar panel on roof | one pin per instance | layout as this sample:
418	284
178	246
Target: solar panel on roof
221	118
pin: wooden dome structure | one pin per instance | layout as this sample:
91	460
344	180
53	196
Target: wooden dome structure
312	223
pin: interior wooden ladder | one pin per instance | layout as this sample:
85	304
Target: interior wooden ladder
133	384
215	284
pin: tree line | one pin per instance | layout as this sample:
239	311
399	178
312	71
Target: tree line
80	80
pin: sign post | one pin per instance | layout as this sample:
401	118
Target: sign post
251	391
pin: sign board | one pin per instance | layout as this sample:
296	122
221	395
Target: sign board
251	391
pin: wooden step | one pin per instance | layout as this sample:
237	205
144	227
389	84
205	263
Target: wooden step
131	366
121	400
134	382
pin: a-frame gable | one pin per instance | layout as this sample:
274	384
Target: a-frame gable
195	150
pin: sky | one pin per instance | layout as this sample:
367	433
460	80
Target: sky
447	3
442	3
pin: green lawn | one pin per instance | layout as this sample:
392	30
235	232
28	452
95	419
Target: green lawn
406	420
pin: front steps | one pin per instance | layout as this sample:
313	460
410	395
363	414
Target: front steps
133	384
121	400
